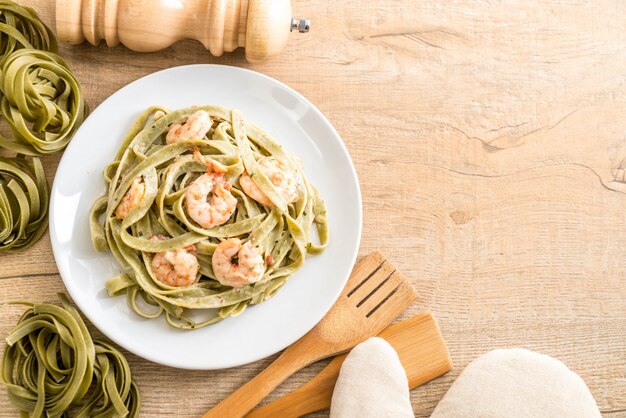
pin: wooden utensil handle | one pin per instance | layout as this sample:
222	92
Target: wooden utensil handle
261	26
250	394
313	396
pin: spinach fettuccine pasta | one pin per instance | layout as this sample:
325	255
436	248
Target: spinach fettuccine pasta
52	367
39	96
21	27
41	100
23	203
206	214
42	103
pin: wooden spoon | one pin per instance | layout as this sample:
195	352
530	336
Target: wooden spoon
420	346
373	297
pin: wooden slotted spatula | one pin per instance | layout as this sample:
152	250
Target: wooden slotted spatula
419	344
376	293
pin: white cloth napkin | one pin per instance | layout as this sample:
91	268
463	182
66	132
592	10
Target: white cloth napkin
372	384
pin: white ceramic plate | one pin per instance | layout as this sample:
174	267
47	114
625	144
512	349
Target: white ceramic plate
263	329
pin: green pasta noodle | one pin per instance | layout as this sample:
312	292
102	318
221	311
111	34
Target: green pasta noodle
52	366
23	203
163	176
39	96
43	105
21	27
41	100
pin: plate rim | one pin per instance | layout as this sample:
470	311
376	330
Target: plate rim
80	304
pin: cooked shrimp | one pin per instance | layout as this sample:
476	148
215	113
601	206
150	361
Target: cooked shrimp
177	268
285	181
132	198
209	201
248	268
196	127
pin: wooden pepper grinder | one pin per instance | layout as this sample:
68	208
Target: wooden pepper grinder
261	26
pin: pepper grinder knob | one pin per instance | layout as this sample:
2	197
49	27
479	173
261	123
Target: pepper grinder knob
303	25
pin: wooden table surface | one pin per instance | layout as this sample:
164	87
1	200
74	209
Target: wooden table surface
490	142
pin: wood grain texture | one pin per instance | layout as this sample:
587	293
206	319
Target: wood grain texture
490	141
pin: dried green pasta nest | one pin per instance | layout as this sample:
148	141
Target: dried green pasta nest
41	100
24	198
52	367
42	103
20	27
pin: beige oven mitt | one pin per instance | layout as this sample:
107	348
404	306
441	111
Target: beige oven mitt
516	383
371	384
